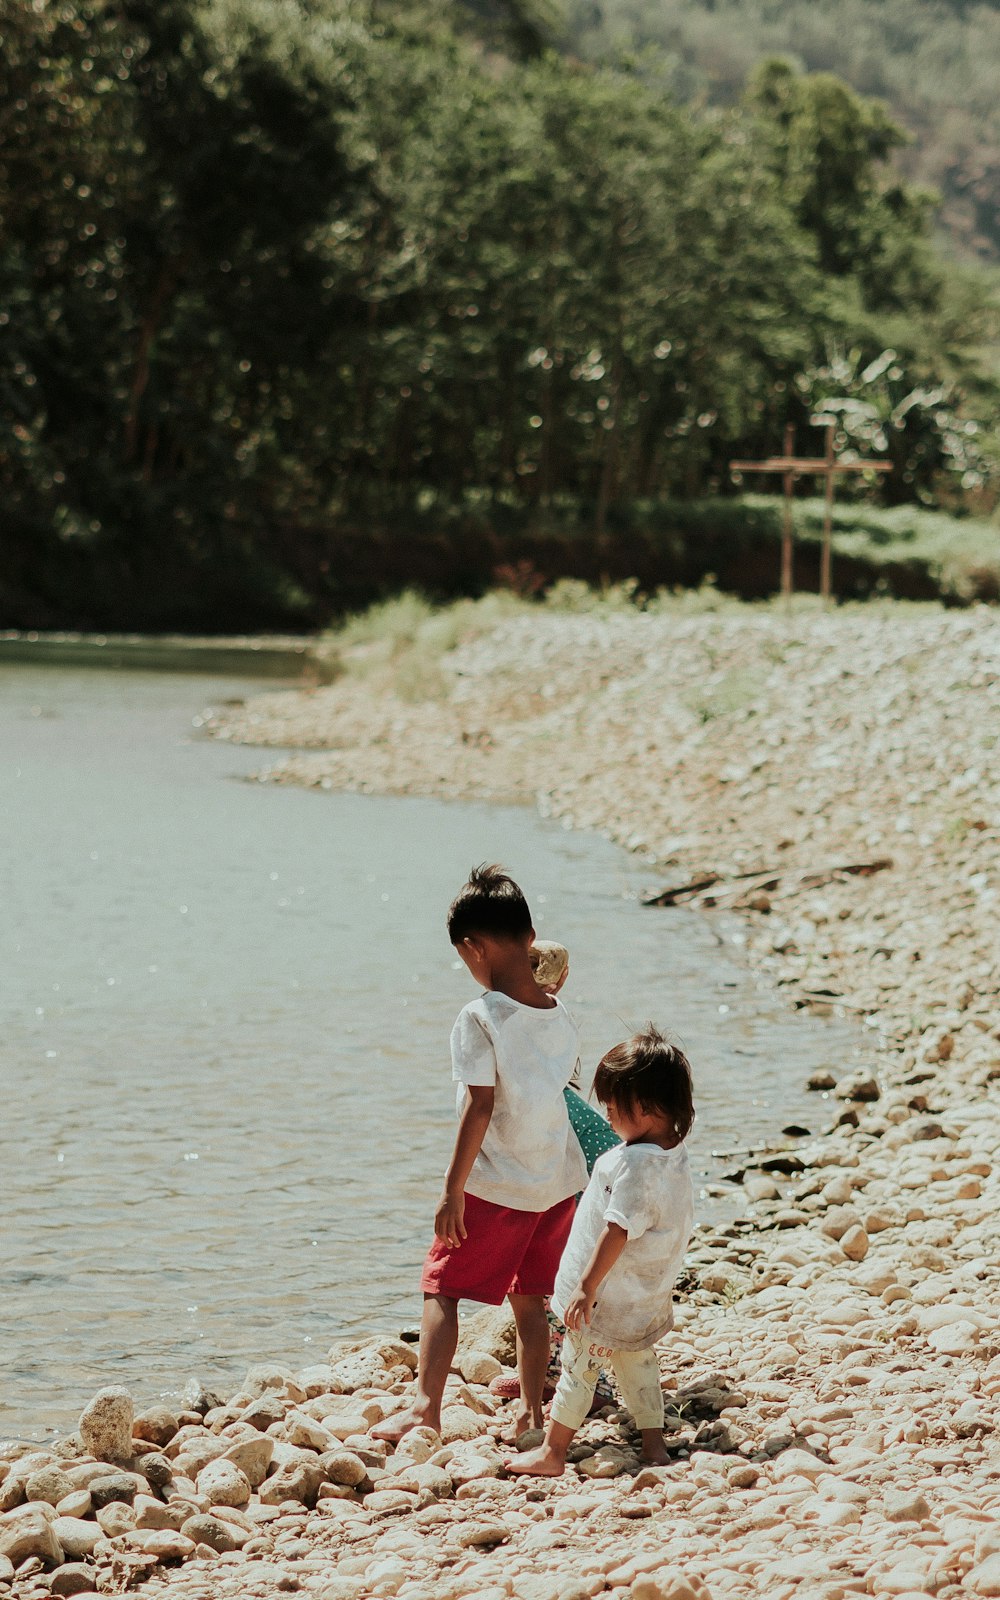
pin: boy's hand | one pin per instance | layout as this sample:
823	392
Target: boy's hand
449	1219
553	988
579	1309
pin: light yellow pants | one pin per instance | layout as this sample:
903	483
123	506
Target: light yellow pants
637	1371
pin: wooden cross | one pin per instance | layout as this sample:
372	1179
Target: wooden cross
791	467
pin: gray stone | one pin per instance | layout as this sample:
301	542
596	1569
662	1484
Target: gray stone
75	1504
318	1380
106	1425
985	1579
385	1501
11	1491
298	1481
113	1486
858	1086
478	1366
153	1516
854	1243
268	1409
32	1535
484	1535
156	1469
116	1518
77	1537
253	1457
73	1578
223	1484
342	1467
197	1398
491	1330
924	1128
261	1379
48	1483
204	1528
906	1505
156	1425
604	1463
166	1544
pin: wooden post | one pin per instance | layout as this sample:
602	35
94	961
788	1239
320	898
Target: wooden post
826	467
826	556
787	529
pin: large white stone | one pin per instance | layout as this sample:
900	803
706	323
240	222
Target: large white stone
106	1424
253	1457
854	1243
223	1484
985	1579
798	1463
957	1339
30	1536
478	1366
77	1537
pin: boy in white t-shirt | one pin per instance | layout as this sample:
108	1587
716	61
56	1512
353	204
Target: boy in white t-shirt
508	1202
614	1289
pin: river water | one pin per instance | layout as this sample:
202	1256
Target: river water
225	1102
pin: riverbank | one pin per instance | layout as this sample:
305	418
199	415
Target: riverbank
834	1380
271	656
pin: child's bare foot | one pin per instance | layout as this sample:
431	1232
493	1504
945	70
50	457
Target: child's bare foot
654	1451
541	1463
525	1419
402	1422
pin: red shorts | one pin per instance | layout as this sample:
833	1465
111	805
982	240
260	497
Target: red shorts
505	1252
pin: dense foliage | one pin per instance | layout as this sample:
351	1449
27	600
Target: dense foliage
936	63
285	282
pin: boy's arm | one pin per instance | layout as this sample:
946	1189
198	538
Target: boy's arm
449	1219
610	1244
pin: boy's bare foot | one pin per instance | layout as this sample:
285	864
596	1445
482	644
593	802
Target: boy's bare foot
402	1422
541	1463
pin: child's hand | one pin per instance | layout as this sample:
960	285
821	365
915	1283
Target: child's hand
579	1309
449	1220
553	988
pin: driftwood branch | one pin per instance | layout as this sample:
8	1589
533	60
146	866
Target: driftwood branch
710	889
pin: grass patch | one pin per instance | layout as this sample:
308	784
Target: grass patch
399	644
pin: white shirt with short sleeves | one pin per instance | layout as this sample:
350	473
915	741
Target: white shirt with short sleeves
647	1191
530	1158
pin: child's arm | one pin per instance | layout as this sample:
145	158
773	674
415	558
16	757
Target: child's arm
608	1248
449	1219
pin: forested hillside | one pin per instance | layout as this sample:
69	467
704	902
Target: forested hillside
936	64
301	302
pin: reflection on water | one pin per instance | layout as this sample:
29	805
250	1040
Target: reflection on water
223	1037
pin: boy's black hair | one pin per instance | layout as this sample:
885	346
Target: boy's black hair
648	1073
489	903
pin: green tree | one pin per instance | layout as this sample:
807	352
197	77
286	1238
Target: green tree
827	149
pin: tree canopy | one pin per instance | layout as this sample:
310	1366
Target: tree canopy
278	273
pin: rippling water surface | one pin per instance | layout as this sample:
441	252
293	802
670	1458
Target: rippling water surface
224	1081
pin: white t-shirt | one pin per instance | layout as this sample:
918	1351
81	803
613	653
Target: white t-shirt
531	1158
647	1191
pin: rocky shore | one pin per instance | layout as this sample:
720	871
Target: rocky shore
833	1383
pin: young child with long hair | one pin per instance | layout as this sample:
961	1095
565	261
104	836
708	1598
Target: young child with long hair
614	1287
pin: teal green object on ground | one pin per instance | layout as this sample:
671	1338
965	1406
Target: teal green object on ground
594	1133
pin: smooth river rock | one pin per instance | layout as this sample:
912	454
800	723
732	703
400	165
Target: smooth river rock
31	1535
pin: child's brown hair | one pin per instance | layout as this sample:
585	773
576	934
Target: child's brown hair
648	1073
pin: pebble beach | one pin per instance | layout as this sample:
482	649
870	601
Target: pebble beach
833	1381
